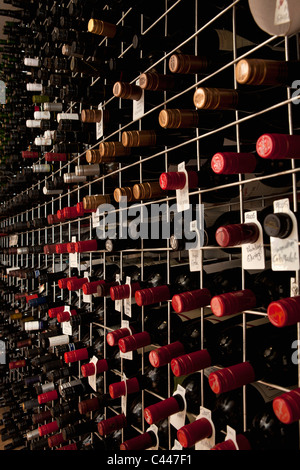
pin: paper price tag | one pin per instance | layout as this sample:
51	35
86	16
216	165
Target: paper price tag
67	328
178	419
127	302
294	287
92	378
209	442
138	110
182	195
95	220
124	397
13	240
99	126
282	14
231	435
253	254
285	252
195	254
177	445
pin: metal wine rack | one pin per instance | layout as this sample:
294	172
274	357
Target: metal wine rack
194	27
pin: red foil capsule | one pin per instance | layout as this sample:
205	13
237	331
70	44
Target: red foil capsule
53	219
69	447
278	146
287	406
110	425
50	249
142	442
17	364
90	368
152	295
28	154
70	212
65	316
194	432
242	442
113	337
86	246
55	157
237	234
48	428
91	287
230	378
177	179
53	312
134	342
61	248
191	300
230	163
63	283
85	406
190	363
161	356
122	291
119	389
284	312
77	355
71	247
48	396
161	410
55	440
232	302
76	283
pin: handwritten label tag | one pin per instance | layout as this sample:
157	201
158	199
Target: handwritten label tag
178	419
99	125
285	252
294	287
282	14
253	254
139	105
182	195
209	442
67	328
13	240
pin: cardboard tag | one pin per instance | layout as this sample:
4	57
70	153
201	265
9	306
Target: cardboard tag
182	195
127	302
92	378
139	105
118	303
282	14
195	254
285	252
253	254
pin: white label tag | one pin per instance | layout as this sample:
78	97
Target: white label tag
95	220
182	195
177	445
231	436
92	378
73	257
253	254
139	105
282	14
294	287
154	428
99	125
127	302
285	252
209	442
195	254
13	240
67	328
178	419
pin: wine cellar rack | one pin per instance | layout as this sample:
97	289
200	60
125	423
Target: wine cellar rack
185	24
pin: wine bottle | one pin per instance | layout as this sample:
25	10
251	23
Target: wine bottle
258	72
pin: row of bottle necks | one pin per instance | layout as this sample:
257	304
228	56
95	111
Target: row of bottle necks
225	404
